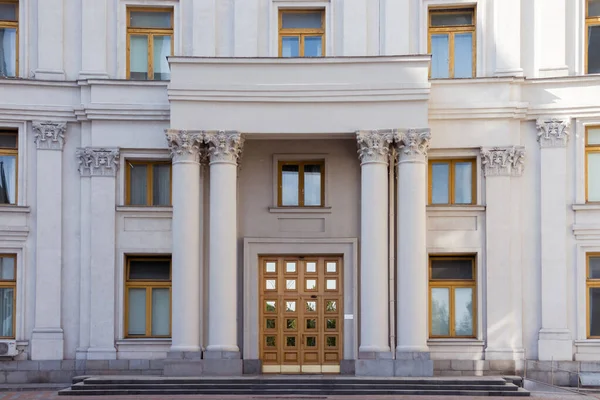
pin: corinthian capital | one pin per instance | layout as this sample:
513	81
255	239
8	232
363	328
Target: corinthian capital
374	146
413	144
553	132
503	161
49	135
98	161
224	146
186	145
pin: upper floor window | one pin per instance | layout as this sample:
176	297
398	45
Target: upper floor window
8	166
451	43
9	37
149	43
593	295
452	182
592	164
301	183
592	22
148	183
301	33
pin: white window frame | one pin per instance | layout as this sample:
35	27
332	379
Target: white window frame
122	29
277	5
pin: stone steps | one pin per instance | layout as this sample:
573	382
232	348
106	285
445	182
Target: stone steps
292	385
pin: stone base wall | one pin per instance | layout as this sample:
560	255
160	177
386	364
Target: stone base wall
559	373
477	367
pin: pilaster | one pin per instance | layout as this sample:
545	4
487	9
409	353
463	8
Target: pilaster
101	165
555	341
47	339
94	22
507	37
50	40
501	165
551	19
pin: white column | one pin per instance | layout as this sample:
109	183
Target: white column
94	14
551	31
555	342
187	244
50	40
47	339
101	164
355	35
502	300
412	306
373	150
507	37
395	27
224	149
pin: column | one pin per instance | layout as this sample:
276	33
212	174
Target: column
507	37
412	353
246	31
50	40
373	150
94	14
502	300
555	342
224	149
395	27
187	152
551	31
47	339
355	28
101	165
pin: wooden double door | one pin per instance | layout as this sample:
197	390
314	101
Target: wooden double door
301	316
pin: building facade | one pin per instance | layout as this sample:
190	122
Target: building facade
369	187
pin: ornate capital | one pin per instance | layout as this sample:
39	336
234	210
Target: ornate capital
186	145
49	135
553	132
413	144
224	146
503	161
374	146
98	161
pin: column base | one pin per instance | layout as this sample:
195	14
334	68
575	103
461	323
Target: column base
222	355
184	355
206	367
47	344
555	344
553	72
50	75
399	367
374	355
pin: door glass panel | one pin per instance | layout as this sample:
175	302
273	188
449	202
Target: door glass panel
463	55
331	306
290	47
463	311
271	267
311	323
290	267
331	267
290	306
311	284
313	47
463	185
290	284
439	56
270	341
331	323
331	341
440	311
311	267
311	341
270	323
270	305
291	323
290	341
271	284
311	306
331	284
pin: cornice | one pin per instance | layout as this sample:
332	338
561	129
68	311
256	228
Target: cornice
123	112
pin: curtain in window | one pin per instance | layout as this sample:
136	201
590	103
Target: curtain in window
593	176
138	57
289	185
137	312
290	46
138	184
162	49
161	185
8	179
8	51
440	56
463	55
6	311
312	185
439	180
462	183
161	312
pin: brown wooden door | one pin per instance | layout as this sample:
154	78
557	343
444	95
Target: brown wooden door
301	314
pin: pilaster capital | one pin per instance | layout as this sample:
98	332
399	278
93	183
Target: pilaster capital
374	145
186	145
503	161
49	135
95	161
553	132
413	144
224	146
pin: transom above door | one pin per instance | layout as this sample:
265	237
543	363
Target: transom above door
301	314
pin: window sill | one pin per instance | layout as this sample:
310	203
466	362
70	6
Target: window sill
455	342
586	207
300	210
468	208
144	341
148	209
14	209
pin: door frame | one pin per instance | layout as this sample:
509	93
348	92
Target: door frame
255	247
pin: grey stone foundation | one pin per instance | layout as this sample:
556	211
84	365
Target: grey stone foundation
382	364
477	367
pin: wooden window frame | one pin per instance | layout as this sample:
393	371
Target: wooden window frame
149	182
150	33
451	285
451	189
11	284
589	284
148	284
589	149
452	30
301	32
5	151
589	22
13	25
300	165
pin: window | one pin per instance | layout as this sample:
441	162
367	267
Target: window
8	166
452	182
148	297
301	33
592	37
301	184
452	296
148	183
9	38
592	164
452	43
149	43
593	294
8	287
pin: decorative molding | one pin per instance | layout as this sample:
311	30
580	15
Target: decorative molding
186	145
553	132
413	144
49	135
224	146
374	145
98	161
503	161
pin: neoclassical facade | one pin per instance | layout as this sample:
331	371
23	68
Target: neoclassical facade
383	187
